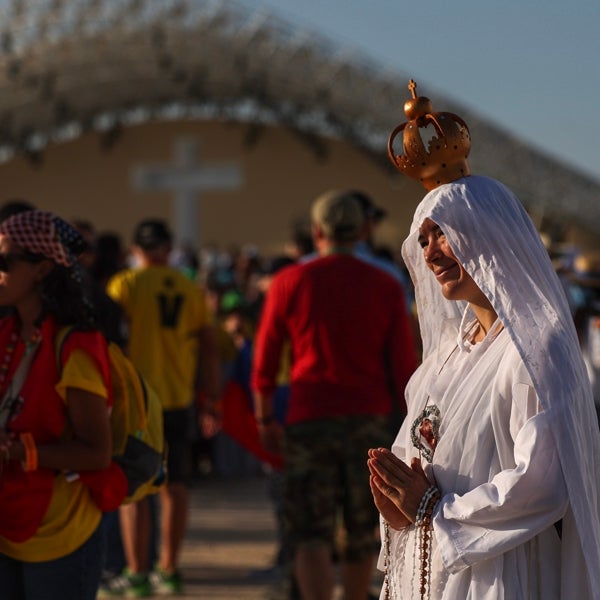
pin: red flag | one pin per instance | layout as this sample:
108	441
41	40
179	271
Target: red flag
238	422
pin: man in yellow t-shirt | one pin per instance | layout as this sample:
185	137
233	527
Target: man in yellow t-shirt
170	335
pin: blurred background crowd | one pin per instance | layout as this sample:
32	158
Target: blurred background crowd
235	280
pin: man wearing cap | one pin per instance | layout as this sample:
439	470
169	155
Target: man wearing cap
170	329
363	246
352	353
365	250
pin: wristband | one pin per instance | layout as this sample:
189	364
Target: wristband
31	454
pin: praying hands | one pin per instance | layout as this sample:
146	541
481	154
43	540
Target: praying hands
397	488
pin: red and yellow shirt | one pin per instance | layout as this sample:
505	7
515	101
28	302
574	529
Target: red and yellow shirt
42	515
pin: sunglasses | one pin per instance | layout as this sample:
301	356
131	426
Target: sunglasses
8	260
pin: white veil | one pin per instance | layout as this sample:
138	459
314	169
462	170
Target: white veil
498	245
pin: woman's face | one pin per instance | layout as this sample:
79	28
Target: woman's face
456	283
19	275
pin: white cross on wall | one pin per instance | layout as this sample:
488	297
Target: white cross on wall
186	179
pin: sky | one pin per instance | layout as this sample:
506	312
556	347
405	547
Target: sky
532	67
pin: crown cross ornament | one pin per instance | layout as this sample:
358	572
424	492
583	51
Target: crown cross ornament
441	160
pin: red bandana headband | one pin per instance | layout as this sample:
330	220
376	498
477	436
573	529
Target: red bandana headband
41	232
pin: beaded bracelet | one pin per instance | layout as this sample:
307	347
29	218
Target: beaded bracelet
31	454
425	500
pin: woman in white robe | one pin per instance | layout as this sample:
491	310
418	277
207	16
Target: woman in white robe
516	451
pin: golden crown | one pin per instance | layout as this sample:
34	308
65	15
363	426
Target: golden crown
444	158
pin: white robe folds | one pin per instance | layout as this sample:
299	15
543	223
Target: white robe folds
496	461
519	447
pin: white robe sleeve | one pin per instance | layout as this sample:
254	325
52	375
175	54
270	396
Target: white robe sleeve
512	508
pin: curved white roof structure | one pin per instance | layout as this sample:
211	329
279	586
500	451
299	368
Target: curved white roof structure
70	65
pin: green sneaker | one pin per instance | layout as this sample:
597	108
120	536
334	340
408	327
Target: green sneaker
166	584
126	585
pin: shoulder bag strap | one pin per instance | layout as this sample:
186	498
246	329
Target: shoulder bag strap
16	383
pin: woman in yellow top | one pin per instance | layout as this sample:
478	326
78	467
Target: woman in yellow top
54	425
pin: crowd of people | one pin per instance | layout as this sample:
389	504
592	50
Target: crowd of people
312	347
188	322
436	410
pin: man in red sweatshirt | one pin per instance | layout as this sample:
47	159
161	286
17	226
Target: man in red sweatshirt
352	354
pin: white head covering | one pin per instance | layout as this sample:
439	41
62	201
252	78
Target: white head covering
494	239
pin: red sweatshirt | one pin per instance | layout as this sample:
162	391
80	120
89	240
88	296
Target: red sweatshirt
350	337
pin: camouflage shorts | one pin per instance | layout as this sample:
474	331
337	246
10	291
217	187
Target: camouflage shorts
327	498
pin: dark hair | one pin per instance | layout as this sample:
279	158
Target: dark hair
14	207
152	233
304	242
66	295
278	263
109	257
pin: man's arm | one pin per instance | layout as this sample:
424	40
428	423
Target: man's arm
269	430
268	345
210	363
210	371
